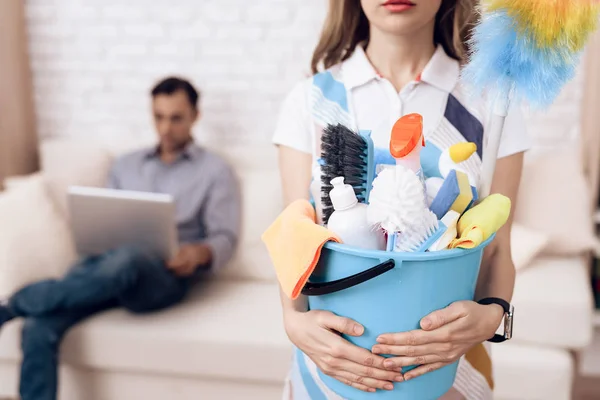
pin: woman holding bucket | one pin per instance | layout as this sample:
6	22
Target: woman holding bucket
377	60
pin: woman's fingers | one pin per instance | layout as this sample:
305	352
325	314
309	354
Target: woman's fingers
369	382
340	324
418	337
372	374
365	362
401	362
415	355
424	369
358	386
442	317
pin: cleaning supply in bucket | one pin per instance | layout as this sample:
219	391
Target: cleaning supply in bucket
482	221
449	231
349	220
396	199
452	158
455	194
419	236
406	143
397	205
350	155
294	242
432	188
315	198
524	51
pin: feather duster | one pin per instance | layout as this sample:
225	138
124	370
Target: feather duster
524	51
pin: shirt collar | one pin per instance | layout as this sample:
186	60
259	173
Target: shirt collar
357	69
441	71
189	152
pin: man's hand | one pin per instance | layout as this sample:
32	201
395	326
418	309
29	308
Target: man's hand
189	257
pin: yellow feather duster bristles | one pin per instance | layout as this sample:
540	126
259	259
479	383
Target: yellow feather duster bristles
552	23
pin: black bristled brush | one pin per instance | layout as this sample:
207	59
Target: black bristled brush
348	154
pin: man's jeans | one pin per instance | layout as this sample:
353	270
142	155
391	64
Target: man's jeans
122	278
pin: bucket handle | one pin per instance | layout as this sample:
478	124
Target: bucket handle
322	288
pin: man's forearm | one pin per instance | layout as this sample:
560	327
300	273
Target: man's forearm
220	248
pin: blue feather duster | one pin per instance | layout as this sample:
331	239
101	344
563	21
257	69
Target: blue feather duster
505	63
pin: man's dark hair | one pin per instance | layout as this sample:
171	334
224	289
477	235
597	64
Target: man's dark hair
171	85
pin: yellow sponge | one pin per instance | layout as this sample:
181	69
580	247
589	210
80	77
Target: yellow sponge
455	194
465	195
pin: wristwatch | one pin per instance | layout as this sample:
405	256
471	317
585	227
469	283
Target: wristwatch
508	318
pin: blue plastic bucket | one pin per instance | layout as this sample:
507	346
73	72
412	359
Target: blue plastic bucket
391	292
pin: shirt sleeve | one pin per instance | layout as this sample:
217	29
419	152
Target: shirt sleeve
293	125
515	137
221	218
112	181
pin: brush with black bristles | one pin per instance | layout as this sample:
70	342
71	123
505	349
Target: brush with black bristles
350	155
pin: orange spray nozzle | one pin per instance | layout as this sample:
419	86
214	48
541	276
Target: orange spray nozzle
406	134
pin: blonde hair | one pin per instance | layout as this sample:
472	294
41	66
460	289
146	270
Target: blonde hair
346	26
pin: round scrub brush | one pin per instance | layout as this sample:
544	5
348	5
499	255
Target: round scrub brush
525	51
396	200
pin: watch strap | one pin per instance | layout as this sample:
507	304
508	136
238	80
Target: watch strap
507	310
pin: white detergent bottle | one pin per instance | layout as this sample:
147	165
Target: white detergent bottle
349	220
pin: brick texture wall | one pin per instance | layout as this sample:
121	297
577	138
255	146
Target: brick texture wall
93	62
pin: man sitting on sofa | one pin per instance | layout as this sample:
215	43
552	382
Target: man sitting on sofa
208	213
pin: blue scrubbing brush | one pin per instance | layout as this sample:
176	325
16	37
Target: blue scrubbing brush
524	51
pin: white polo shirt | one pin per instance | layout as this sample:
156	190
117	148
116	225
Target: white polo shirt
449	114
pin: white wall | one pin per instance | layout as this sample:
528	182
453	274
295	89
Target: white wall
95	60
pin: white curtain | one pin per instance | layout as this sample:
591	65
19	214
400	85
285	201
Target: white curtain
591	117
18	143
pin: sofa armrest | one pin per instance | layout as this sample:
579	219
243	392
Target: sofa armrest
15	181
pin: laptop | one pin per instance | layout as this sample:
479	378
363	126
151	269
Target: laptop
105	219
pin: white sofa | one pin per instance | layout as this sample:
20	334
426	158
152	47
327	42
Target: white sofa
227	341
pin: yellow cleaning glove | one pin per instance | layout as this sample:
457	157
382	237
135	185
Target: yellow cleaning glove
482	221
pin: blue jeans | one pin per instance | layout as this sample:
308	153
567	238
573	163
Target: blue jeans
125	278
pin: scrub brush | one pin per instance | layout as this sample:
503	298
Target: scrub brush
347	154
397	200
525	51
420	236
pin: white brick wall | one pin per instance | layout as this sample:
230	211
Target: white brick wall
94	61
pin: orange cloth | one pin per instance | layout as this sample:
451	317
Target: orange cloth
294	242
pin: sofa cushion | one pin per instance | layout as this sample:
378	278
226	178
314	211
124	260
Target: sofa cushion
554	199
65	163
224	330
526	244
531	372
553	303
35	241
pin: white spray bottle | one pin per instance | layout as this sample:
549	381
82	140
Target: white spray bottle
349	220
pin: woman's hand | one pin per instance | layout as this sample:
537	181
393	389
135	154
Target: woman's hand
446	336
317	334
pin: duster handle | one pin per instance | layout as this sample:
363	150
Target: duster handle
490	153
